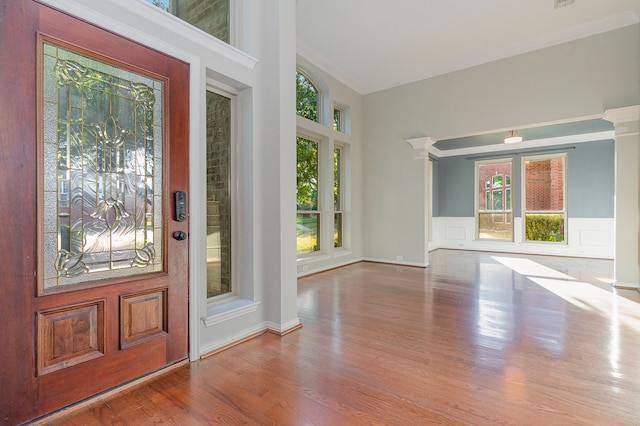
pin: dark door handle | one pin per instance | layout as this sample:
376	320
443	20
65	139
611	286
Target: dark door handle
180	235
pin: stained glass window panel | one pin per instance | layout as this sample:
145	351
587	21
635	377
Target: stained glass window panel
102	170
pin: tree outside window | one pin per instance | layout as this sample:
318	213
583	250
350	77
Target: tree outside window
337	197
308	214
306	97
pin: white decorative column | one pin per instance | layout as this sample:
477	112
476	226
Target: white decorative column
421	152
627	195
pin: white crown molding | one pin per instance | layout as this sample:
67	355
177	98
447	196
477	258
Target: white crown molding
535	143
567	35
570	34
622	115
328	66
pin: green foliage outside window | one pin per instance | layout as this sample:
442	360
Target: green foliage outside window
306	98
306	174
337	197
162	4
308	225
544	227
337	119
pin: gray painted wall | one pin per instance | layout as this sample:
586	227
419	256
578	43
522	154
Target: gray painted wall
456	187
435	188
575	80
590	182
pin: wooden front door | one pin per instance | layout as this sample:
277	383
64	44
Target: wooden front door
93	150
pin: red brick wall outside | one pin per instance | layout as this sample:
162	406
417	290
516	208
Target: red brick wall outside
544	181
218	170
211	16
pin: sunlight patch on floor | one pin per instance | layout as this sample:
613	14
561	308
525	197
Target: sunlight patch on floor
591	298
528	267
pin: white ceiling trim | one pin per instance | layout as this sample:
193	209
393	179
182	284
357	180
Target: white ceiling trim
535	143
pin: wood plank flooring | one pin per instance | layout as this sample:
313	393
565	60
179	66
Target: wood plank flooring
476	338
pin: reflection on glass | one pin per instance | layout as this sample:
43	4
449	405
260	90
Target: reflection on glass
102	170
218	194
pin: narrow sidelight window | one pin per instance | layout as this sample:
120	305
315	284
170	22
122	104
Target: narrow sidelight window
218	194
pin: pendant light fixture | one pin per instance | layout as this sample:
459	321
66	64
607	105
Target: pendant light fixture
513	137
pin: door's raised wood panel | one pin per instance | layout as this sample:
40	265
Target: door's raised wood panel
143	317
70	335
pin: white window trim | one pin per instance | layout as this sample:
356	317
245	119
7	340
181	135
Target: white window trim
231	308
345	117
235	303
476	199
328	137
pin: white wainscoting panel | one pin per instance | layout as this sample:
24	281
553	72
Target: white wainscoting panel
587	237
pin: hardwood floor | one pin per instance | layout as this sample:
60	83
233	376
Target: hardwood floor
477	338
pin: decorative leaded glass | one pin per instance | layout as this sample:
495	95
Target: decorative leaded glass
102	212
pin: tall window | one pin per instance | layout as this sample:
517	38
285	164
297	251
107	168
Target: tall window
218	194
545	198
322	164
210	16
306	97
337	197
494	215
308	214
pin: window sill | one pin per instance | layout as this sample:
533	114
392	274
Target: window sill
341	252
313	258
233	309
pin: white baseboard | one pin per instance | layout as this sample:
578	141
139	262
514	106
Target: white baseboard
315	269
396	262
247	334
626	286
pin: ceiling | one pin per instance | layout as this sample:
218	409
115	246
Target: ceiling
372	45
